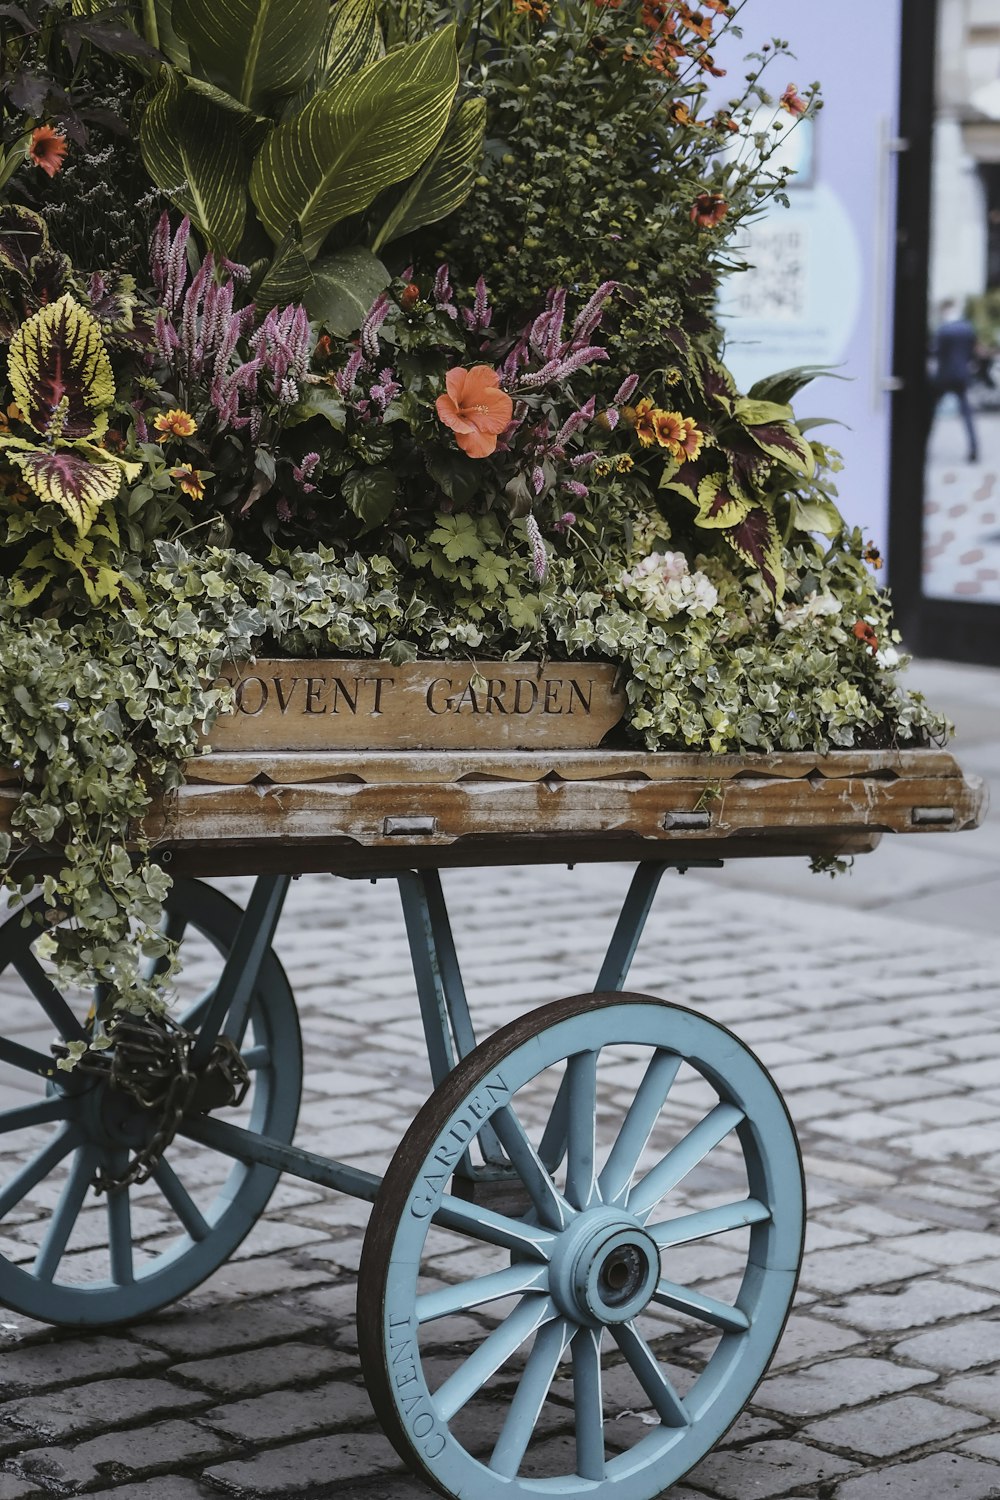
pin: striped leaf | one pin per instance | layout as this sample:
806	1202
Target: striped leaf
354	139
445	180
353	40
59	372
257	50
286	279
195	151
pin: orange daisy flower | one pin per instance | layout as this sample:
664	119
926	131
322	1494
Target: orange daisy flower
47	148
475	408
865	633
696	22
708	210
645	422
174	424
191	481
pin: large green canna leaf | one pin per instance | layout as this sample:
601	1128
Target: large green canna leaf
353	40
287	278
257	50
445	180
355	139
196	151
343	289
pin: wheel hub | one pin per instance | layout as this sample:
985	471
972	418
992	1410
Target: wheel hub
604	1268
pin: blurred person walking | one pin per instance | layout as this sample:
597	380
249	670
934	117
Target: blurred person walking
954	348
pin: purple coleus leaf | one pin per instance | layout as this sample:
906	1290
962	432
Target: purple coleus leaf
67	479
756	540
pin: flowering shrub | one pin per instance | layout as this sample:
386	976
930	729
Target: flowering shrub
390	337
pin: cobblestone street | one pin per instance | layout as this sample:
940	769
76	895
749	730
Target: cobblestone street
878	1019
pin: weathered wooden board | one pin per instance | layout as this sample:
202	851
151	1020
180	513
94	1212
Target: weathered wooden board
344	810
370	704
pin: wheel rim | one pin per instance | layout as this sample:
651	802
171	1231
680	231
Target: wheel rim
76	1259
572	1307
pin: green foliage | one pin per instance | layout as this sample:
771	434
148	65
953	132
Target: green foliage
287	122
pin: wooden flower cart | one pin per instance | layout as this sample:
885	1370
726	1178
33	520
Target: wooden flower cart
574	1206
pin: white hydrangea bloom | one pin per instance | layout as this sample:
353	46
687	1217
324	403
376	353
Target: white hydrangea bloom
663	586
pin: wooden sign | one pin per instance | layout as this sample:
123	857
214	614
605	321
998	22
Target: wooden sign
425	705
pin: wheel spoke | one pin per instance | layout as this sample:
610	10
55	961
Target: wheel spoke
646	1369
708	1221
529	1398
180	1200
38	1167
255	1058
120	1224
492	1354
551	1206
43	1113
48	997
26	1058
496	1229
65	1214
512	1282
637	1127
581	1146
682	1159
552	1147
698	1305
588	1403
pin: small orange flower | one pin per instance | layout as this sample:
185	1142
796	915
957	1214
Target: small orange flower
695	21
47	148
645	422
669	430
681	115
537	8
174	424
865	633
475	408
873	556
191	481
708	210
792	101
409	295
720	7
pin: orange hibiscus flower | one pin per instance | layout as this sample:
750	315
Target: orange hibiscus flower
47	148
475	408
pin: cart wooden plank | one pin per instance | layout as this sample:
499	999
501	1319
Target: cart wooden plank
391	809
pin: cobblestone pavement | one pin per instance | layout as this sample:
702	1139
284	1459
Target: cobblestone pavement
879	1025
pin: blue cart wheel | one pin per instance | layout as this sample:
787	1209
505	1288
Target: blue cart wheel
597	1337
80	1258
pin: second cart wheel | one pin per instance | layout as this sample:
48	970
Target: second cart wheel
600	1339
75	1257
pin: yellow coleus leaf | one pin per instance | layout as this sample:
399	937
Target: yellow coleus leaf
721	502
67	479
59	371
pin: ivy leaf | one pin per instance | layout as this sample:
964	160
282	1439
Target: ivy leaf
371	494
816	515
